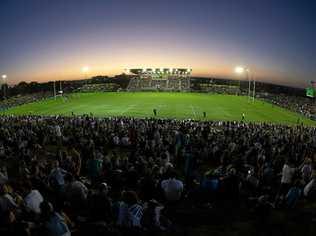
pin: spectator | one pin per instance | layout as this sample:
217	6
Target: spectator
53	223
32	199
172	188
56	176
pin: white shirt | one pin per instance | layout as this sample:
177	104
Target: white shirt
287	174
33	201
309	187
173	189
3	177
58	131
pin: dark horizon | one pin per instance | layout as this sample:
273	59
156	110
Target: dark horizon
194	77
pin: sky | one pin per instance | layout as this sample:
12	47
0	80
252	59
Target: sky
42	40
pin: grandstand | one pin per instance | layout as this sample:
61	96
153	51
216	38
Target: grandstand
160	79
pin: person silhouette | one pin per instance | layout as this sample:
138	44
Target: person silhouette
243	117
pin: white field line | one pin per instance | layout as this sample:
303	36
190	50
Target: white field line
127	109
225	113
162	105
193	111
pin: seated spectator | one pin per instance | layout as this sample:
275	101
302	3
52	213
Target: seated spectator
32	199
56	176
7	203
293	195
310	189
75	192
94	167
53	223
288	172
306	170
130	212
100	204
152	219
3	176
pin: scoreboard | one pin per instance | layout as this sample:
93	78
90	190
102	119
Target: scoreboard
311	92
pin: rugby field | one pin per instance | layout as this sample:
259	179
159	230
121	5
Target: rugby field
168	105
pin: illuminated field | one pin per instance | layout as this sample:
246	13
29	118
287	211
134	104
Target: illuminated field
168	105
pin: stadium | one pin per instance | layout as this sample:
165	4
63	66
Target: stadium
160	118
172	93
160	135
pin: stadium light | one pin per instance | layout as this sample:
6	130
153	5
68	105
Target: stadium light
4	77
85	69
239	69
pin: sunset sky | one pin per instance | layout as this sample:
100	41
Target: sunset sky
44	40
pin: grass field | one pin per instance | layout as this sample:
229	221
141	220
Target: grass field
168	105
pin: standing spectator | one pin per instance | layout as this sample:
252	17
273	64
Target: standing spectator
172	188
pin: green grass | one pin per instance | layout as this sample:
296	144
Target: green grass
169	105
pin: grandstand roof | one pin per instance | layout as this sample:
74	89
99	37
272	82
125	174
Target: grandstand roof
159	71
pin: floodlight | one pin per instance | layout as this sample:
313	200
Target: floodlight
85	69
4	76
239	70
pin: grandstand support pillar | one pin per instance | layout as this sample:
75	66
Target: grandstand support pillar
167	86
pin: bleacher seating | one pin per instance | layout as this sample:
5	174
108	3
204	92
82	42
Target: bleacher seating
168	84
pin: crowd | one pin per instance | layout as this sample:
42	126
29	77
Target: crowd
219	89
23	99
122	176
303	105
104	87
166	84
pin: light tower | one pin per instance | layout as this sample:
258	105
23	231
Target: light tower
242	70
85	70
4	83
